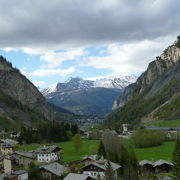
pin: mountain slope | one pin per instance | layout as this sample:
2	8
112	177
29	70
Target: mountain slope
116	82
91	101
87	97
157	87
20	100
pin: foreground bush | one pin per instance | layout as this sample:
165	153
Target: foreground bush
147	138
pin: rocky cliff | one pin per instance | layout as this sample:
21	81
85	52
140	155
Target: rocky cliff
156	68
155	94
20	100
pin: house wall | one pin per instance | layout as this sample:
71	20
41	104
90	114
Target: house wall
23	176
94	174
6	150
47	157
7	166
47	175
21	160
13	178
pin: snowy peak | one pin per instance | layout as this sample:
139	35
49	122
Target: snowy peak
115	82
74	83
49	89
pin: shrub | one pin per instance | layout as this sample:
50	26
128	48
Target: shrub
147	138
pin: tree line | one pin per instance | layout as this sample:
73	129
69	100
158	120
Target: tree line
48	132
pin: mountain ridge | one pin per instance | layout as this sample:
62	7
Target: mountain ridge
20	101
87	97
116	82
156	90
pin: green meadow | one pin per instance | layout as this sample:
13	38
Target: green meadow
169	123
163	151
69	153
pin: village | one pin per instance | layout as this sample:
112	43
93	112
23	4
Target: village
15	163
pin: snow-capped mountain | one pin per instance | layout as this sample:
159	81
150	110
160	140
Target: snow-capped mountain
115	82
88	97
49	89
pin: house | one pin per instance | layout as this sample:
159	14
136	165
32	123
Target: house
162	166
17	175
73	176
83	133
48	153
6	148
14	134
52	171
90	159
146	166
23	158
99	168
12	142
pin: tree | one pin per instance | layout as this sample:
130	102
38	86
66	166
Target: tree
109	174
101	150
34	172
131	168
176	158
74	129
77	142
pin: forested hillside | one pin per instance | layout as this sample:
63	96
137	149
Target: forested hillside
21	102
155	95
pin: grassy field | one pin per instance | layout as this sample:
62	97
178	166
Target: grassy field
69	153
153	153
170	123
163	151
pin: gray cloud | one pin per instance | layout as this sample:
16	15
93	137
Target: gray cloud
72	23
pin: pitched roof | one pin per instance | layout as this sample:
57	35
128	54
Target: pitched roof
25	154
160	162
73	176
47	149
54	168
19	172
103	165
144	162
5	145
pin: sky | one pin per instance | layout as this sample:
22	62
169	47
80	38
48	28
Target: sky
50	41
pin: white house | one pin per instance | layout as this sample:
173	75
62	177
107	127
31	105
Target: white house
48	153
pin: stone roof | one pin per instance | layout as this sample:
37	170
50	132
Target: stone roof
73	176
54	168
19	172
25	154
47	149
102	164
5	145
161	162
15	174
144	162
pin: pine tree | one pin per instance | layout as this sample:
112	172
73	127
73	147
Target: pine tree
176	158
109	174
101	150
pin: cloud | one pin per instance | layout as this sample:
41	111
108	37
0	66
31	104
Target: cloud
131	57
55	59
51	72
38	84
66	23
